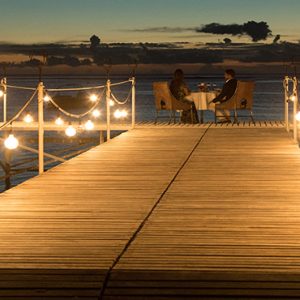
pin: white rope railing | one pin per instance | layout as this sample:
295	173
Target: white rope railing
77	89
41	91
17	115
20	87
121	102
120	83
77	116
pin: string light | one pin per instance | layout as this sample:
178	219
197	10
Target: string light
293	98
124	113
93	98
28	118
70	131
59	121
1	93
11	142
111	102
96	113
120	114
298	116
89	125
47	98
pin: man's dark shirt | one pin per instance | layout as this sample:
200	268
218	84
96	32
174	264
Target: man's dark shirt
227	91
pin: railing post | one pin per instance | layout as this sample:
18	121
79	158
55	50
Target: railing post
4	86
133	102
108	109
41	126
295	94
286	103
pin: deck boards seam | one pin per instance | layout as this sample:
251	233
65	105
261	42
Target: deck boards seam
140	227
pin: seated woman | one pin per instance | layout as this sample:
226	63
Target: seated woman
180	90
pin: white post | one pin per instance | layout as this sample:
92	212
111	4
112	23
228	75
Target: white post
108	109
41	126
286	103
295	93
133	102
4	86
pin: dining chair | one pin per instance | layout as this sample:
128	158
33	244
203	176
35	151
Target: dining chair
165	101
242	100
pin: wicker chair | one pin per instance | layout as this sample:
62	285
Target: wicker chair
242	100
165	101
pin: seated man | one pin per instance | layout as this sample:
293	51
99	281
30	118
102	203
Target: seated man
227	92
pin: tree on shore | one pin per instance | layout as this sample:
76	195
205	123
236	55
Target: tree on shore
95	42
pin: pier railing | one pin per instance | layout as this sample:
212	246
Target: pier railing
290	85
43	94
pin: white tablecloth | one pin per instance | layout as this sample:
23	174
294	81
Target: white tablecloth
202	99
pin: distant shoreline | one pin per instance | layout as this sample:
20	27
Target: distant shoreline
273	69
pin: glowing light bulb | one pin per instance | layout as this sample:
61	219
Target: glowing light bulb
124	113
298	116
70	131
28	118
1	93
111	103
118	114
59	121
89	125
11	142
96	113
93	98
47	98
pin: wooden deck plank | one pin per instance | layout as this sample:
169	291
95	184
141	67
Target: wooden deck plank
226	224
75	219
230	222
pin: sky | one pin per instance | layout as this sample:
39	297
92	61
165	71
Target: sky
43	21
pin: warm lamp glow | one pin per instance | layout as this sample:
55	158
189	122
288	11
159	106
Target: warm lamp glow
89	125
1	93
111	103
93	98
298	116
59	121
120	114
47	98
124	113
96	113
70	131
11	142
28	118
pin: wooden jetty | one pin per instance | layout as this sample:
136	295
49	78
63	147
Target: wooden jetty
198	212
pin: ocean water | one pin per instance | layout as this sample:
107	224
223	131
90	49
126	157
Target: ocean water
268	105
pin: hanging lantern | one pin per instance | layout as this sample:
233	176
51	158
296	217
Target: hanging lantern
93	97
298	116
96	113
28	118
47	98
11	142
89	125
59	121
118	114
70	131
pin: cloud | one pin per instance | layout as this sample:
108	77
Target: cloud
256	30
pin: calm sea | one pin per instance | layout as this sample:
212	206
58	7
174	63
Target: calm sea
268	105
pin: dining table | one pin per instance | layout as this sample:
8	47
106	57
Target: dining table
202	101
